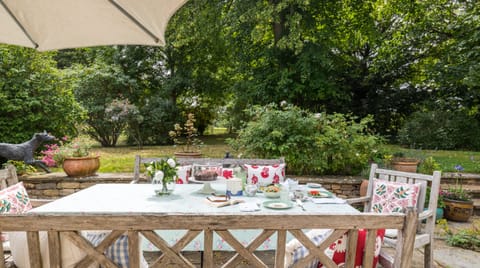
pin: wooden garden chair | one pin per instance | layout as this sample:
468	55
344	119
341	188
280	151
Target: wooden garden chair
425	232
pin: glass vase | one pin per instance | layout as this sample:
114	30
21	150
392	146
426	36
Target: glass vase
162	185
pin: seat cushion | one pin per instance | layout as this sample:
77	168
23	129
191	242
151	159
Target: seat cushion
183	173
391	196
118	251
336	251
265	175
71	254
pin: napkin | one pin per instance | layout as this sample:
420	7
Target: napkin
332	200
248	207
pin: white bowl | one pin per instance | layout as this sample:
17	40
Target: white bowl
272	194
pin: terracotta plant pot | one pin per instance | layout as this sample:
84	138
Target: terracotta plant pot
188	154
81	166
457	210
363	188
405	164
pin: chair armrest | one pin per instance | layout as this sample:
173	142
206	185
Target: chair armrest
425	214
358	200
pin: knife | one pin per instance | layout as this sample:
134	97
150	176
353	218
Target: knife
231	202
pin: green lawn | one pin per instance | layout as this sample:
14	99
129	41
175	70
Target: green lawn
447	160
121	158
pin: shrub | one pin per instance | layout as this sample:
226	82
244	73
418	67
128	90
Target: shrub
310	143
440	130
468	238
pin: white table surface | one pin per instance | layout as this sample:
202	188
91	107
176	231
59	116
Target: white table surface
140	198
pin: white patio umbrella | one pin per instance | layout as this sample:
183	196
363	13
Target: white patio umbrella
59	24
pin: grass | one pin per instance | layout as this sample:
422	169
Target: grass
447	160
121	158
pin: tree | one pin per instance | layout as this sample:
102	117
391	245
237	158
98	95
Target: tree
98	87
34	96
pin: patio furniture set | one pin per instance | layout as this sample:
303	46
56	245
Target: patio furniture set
133	216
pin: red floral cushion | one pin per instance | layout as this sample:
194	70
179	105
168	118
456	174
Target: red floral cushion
337	250
183	173
265	175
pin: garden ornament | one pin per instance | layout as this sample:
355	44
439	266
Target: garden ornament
24	151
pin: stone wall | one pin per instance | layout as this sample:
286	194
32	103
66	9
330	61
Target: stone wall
55	185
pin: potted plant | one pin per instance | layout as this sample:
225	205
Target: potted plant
75	158
401	163
163	174
458	203
186	137
440	204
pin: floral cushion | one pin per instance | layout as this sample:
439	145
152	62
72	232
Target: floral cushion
183	173
228	173
391	196
14	199
265	175
337	250
295	251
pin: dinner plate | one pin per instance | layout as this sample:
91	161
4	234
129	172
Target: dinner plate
319	194
314	185
277	204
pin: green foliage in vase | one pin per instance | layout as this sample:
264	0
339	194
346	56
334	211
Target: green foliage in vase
311	143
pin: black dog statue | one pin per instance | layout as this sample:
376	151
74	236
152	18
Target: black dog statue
24	151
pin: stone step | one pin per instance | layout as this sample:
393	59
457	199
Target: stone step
461	178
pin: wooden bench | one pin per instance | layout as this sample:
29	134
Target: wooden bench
135	225
140	161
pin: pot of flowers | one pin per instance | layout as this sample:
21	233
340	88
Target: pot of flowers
75	158
458	203
186	137
162	174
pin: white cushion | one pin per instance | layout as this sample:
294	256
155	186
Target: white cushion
71	254
391	233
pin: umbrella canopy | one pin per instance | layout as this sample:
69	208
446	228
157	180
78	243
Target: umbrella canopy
59	24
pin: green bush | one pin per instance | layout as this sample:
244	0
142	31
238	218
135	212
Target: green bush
440	130
310	143
34	96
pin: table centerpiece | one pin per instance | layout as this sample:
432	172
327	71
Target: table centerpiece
162	174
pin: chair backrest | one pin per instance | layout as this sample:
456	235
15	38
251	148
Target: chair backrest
432	181
139	161
8	176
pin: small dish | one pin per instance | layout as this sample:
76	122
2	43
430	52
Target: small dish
277	204
314	185
272	194
319	194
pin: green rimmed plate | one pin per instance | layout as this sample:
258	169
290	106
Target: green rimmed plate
278	204
319	194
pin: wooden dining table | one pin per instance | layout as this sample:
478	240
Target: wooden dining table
186	199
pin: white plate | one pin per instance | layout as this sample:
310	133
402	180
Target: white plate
277	204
